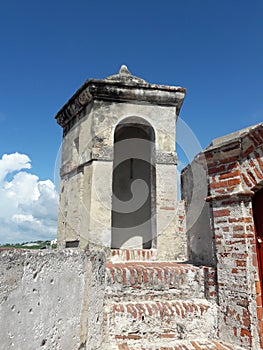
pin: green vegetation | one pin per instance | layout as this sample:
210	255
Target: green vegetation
30	245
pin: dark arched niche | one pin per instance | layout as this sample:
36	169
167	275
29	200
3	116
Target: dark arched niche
133	185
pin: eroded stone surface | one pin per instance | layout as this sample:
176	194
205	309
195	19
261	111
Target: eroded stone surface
51	299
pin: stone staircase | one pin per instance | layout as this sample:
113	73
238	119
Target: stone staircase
159	305
185	345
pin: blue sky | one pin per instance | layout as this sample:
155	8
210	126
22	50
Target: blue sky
49	48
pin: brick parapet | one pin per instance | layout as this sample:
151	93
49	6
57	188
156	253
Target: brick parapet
124	255
149	278
236	166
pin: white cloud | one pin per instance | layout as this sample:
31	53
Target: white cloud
28	206
13	162
19	218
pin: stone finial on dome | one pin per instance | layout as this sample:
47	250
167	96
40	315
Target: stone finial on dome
124	70
124	76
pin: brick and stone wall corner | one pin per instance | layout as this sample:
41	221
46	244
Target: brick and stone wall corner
235	172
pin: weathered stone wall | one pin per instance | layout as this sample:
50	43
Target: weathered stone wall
194	189
86	172
51	299
173	244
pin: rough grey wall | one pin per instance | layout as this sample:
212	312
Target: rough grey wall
51	299
198	226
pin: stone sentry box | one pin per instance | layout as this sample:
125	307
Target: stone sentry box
118	170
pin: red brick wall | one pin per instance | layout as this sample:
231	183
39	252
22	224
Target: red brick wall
235	172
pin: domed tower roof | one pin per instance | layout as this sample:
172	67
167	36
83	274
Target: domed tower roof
121	87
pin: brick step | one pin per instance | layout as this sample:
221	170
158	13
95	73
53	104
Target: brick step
147	278
161	320
132	255
181	345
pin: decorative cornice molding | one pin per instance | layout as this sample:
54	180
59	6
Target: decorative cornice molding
122	87
73	107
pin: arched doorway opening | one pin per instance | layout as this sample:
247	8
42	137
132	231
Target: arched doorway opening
257	204
133	186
